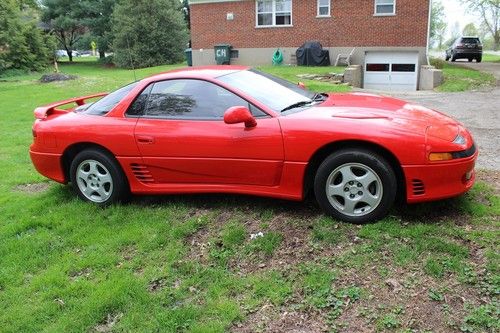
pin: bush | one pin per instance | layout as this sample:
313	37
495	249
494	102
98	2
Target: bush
160	39
108	61
23	46
438	63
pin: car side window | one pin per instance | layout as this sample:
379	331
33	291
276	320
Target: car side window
137	108
190	99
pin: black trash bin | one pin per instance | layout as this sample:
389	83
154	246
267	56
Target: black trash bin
189	56
223	54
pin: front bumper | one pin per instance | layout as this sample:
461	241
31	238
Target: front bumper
439	181
49	165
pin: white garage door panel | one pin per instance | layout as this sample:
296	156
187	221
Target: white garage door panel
391	71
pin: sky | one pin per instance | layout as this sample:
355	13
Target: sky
457	12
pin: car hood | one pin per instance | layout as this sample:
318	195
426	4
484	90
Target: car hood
397	113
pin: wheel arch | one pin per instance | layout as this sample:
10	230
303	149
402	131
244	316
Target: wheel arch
322	153
71	151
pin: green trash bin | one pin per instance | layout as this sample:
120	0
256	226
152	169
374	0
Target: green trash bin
189	56
222	54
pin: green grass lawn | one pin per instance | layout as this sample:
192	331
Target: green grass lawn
290	73
187	263
491	57
458	78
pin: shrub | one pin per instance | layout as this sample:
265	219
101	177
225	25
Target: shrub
159	39
438	63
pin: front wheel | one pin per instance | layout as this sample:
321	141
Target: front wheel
356	186
97	177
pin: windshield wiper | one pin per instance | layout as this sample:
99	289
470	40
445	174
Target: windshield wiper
297	105
320	97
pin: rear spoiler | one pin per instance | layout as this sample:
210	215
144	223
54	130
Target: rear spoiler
43	111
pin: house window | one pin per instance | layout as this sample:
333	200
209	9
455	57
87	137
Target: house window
274	13
324	8
385	7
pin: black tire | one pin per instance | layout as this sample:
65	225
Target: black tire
470	59
355	160
479	59
446	58
453	59
106	183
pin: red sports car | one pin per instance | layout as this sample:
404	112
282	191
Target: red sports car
236	130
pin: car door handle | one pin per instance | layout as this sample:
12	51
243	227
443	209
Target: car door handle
145	139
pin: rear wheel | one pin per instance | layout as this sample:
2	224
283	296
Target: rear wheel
470	59
478	59
356	186
97	177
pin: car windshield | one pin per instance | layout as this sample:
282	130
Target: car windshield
278	94
107	103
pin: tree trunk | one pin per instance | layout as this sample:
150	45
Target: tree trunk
70	55
102	54
496	42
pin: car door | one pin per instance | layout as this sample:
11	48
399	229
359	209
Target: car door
183	138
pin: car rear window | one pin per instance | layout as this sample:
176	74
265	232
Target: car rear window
470	40
107	103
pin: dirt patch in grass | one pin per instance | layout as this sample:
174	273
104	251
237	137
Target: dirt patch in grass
410	306
32	188
490	177
271	319
107	324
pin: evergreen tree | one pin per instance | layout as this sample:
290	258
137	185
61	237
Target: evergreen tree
66	22
22	44
148	33
97	18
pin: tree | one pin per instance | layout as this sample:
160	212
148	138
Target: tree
22	45
438	23
159	39
489	11
96	16
470	30
65	21
185	11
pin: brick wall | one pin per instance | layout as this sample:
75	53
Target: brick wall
352	25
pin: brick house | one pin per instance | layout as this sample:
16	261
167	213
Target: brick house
389	37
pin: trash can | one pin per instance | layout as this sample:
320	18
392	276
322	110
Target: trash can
222	54
189	56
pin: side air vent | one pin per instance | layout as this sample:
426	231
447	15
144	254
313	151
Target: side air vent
418	187
142	173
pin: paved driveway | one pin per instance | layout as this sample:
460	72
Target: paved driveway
479	111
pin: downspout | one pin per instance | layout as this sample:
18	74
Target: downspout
428	33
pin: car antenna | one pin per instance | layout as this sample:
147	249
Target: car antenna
131	59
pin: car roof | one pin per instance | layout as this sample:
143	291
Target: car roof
208	72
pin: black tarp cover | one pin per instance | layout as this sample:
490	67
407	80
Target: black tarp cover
312	54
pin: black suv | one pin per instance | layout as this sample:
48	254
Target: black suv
465	48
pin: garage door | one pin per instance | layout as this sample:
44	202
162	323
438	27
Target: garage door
395	71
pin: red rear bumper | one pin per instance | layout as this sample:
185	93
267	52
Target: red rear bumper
48	165
439	181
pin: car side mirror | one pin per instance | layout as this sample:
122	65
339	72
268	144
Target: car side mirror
239	114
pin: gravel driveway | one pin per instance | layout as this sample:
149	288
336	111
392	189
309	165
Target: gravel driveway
479	111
